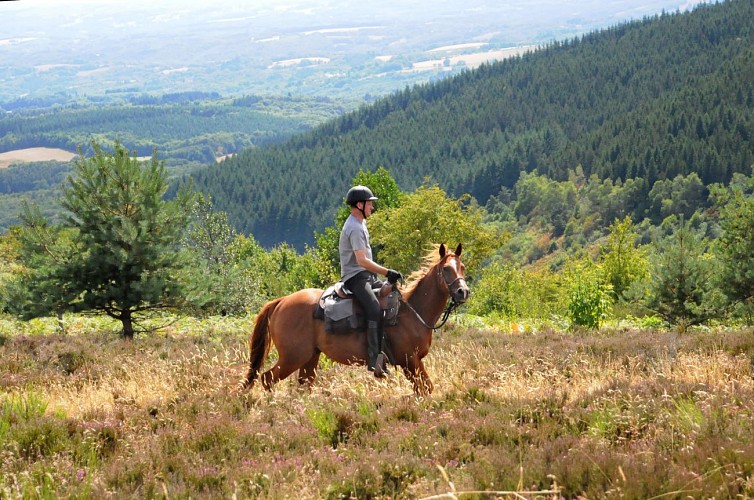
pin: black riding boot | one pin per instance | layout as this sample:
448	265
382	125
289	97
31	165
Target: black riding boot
373	347
380	367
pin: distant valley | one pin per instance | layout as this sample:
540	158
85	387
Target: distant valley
334	49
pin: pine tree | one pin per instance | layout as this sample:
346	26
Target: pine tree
682	288
43	286
124	241
735	247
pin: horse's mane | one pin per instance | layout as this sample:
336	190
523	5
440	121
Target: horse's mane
430	260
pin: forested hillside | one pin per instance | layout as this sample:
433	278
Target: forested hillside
186	127
646	100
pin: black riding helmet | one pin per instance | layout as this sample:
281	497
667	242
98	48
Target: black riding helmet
359	193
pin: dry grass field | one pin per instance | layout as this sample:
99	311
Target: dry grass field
34	154
620	413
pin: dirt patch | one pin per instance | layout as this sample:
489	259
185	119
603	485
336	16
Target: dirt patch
34	154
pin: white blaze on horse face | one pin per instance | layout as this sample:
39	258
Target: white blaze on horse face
454	264
457	287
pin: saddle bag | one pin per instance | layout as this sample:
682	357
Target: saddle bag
343	314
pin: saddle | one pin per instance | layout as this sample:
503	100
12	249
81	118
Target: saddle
343	314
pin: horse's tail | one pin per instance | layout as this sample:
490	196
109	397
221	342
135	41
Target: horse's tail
259	343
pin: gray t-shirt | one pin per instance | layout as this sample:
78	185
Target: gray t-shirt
353	236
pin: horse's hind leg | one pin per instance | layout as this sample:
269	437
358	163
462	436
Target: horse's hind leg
308	372
278	372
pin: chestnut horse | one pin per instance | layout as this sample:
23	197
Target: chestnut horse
288	322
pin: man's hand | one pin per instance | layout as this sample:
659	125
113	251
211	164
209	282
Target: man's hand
394	276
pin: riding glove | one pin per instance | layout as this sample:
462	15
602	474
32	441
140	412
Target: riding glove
394	276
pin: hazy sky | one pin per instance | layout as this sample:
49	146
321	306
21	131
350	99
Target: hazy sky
310	7
531	18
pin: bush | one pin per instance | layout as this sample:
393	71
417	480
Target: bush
589	298
622	263
508	292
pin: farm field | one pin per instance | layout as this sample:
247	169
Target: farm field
622	412
33	155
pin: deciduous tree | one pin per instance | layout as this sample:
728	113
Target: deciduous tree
327	260
426	217
216	283
622	262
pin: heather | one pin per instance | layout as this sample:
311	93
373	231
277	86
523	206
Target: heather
617	412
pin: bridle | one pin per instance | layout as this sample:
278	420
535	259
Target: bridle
451	306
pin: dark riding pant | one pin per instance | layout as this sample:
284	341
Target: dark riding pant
361	286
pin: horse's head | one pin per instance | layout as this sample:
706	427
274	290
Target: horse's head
452	271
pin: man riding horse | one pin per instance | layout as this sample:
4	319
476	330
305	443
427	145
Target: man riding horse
358	271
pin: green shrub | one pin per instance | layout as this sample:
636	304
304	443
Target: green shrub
39	482
487	435
333	426
589	298
72	360
505	291
24	407
362	485
397	478
16	412
622	262
41	437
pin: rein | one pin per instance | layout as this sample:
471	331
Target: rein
452	306
445	315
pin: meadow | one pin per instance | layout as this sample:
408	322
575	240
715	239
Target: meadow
622	412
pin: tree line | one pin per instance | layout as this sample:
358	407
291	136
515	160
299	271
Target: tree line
124	250
572	240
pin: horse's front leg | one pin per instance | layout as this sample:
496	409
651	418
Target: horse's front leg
418	376
308	372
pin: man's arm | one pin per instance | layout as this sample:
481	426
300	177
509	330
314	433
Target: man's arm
369	264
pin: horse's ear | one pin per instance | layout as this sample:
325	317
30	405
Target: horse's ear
442	250
459	249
